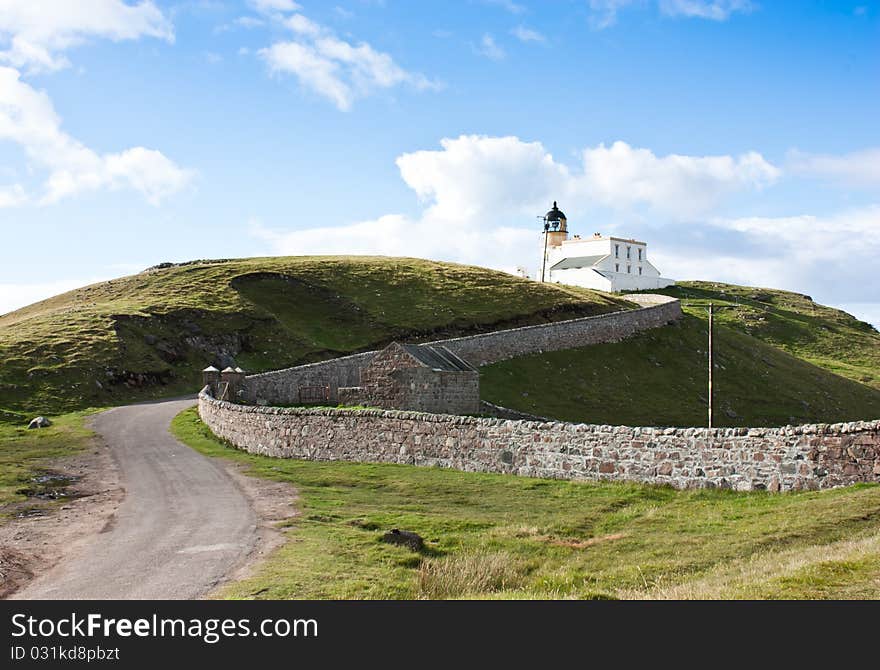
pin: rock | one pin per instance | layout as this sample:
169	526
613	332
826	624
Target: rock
404	537
150	339
39	422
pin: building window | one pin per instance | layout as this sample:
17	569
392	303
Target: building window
617	251
628	250
629	269
617	267
640	269
640	254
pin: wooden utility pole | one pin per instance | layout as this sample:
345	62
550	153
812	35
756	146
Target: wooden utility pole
711	359
544	261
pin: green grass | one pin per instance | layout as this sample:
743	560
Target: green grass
148	335
498	536
827	337
659	378
26	453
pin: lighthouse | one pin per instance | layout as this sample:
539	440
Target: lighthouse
599	262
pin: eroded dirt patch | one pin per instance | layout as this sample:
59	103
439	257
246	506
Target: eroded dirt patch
64	509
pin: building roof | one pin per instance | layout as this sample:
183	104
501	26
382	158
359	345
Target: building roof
555	214
578	262
437	357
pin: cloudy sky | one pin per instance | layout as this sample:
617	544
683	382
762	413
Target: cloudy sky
738	138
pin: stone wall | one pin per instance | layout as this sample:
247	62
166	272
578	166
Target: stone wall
393	379
788	458
280	386
501	345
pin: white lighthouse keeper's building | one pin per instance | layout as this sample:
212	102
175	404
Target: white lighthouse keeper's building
598	262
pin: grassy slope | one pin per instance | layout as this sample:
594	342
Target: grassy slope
659	378
510	537
149	334
822	335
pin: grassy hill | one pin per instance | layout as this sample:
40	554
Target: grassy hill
780	358
827	337
659	378
148	335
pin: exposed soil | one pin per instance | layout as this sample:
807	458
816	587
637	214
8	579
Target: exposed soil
65	509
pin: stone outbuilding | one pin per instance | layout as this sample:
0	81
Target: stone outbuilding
419	377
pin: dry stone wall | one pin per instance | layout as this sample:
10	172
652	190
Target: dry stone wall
776	459
656	311
280	386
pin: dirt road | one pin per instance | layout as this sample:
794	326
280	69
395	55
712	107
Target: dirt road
184	525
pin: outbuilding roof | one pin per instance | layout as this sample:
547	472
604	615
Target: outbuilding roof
578	262
438	357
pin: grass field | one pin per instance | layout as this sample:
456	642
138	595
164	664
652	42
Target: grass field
498	536
148	335
659	377
25	454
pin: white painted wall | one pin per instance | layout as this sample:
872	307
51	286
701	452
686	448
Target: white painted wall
621	266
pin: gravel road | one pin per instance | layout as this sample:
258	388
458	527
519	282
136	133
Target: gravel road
183	526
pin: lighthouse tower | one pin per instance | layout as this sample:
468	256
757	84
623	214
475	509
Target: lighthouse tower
555	233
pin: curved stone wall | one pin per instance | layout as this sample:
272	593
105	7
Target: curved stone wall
788	458
279	387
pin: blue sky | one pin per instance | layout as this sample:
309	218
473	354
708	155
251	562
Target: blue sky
739	139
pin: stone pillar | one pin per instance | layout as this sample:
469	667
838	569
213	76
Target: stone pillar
210	377
234	379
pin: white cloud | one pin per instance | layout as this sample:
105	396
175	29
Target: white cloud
831	257
12	196
303	26
319	74
28	118
490	49
475	190
860	168
37	33
334	68
604	12
524	34
507	5
271	6
248	22
621	175
714	10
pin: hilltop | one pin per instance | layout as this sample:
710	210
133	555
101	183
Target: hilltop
148	335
